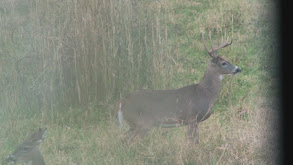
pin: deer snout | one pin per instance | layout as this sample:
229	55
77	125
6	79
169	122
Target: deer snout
237	70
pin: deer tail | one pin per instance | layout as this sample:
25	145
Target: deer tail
120	115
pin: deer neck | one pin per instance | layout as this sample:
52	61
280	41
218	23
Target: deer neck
212	81
37	158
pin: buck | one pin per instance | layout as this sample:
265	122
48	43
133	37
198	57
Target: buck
188	105
28	151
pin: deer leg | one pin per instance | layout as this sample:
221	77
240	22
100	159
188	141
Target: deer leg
192	133
135	133
130	133
129	136
141	132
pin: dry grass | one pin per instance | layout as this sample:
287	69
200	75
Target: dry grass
63	65
225	138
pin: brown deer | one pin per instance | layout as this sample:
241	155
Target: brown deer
28	151
189	105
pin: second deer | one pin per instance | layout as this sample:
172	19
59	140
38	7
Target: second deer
28	151
189	105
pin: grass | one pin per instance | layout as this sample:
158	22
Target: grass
64	65
226	138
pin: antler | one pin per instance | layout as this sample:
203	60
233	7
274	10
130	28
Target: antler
212	52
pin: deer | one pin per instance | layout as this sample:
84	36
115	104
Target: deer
186	106
28	151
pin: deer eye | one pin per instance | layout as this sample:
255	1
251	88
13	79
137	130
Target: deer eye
224	64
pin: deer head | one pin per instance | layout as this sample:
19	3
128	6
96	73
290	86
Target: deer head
219	64
28	150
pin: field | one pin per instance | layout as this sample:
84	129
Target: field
65	64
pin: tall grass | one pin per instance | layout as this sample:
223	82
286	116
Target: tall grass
64	64
76	52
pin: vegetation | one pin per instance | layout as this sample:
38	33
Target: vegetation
65	64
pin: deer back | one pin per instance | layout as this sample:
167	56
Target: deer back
167	106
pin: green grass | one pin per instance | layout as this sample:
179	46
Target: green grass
64	65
